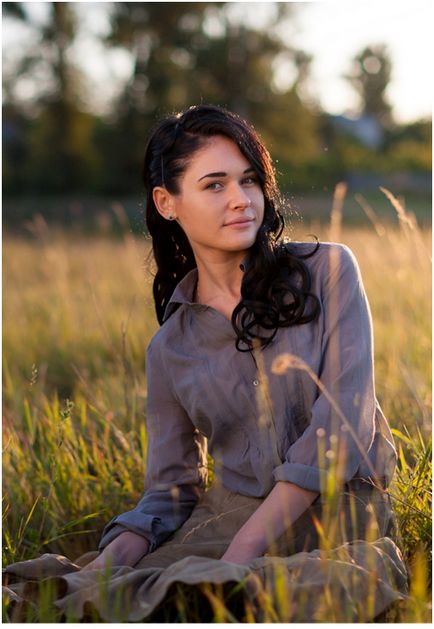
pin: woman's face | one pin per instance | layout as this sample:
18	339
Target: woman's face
220	204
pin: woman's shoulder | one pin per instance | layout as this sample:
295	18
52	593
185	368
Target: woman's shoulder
167	335
321	252
327	261
317	250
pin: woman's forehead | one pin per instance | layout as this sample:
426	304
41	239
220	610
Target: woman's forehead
219	152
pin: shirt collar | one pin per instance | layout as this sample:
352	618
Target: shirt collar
183	293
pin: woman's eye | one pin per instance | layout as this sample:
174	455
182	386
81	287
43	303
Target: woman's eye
250	180
246	181
214	185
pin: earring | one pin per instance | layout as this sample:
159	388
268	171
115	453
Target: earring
171	217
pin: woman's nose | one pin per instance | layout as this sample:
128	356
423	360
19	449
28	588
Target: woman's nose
239	199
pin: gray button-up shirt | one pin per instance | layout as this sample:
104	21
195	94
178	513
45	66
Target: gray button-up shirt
260	426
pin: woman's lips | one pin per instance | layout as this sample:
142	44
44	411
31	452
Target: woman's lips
240	223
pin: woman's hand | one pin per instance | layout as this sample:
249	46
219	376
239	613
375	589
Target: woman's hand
125	550
280	509
239	553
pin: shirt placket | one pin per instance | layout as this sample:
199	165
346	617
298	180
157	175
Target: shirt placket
266	423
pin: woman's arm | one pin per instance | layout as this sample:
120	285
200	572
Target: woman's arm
125	550
176	470
283	506
342	417
347	375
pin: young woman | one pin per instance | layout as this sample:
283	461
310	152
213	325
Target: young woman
232	297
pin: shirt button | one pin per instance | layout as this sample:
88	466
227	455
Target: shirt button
255	382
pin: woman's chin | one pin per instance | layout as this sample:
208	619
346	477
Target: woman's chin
241	241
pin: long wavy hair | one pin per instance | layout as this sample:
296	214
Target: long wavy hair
276	283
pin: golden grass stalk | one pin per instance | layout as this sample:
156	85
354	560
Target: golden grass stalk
376	222
409	226
337	211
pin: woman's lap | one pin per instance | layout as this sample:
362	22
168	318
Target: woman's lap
189	558
217	517
359	512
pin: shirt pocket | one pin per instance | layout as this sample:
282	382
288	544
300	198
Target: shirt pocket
206	397
192	387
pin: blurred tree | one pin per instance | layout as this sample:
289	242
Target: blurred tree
59	155
238	69
187	53
15	149
16	126
410	146
14	9
158	36
63	141
370	76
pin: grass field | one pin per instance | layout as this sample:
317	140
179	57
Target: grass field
77	317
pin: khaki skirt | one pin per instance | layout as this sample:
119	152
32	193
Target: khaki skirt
337	563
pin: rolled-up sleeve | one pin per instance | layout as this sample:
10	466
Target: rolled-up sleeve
346	375
176	464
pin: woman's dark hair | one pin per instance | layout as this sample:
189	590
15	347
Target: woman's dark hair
276	283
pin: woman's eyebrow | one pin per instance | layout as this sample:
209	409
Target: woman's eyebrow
222	174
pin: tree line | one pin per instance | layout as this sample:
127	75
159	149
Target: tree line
185	53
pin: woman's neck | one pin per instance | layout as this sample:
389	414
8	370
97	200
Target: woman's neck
219	283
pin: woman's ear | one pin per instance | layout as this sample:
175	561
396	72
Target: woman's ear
164	202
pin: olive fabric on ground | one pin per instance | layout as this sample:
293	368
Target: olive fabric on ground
203	394
324	580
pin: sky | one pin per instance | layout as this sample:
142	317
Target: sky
333	32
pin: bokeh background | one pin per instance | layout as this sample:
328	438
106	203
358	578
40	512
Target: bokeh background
341	94
340	91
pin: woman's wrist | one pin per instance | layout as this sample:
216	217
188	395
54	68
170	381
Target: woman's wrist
124	550
247	545
128	547
284	504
